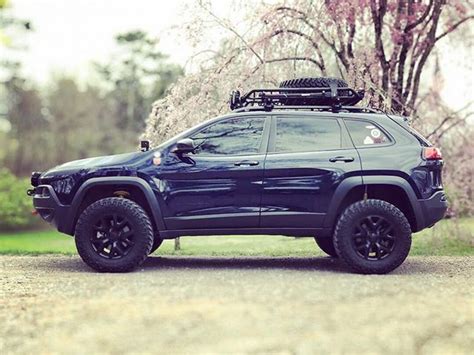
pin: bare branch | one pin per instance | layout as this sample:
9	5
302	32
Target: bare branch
412	25
453	27
221	23
451	116
308	59
430	42
454	124
377	18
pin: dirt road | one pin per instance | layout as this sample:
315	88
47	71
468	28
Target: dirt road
258	305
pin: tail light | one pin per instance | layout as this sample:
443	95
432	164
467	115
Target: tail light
432	153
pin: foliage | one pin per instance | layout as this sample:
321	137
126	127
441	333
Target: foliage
63	121
448	237
135	77
459	171
383	46
28	126
15	205
9	26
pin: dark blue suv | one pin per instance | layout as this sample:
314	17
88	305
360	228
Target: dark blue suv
299	160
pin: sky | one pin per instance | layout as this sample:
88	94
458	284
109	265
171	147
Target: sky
68	35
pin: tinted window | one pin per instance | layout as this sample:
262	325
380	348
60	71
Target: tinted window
306	134
365	133
232	136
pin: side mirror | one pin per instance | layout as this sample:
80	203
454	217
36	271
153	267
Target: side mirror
144	146
184	146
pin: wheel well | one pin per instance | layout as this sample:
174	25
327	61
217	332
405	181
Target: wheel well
134	193
390	193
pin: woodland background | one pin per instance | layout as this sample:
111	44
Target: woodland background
390	48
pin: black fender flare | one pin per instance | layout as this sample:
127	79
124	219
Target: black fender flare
349	183
104	181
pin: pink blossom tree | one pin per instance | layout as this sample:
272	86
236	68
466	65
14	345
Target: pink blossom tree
386	47
382	46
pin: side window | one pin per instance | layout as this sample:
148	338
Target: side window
230	137
365	133
307	134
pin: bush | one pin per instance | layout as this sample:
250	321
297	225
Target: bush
15	204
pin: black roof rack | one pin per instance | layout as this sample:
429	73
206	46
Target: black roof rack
320	98
354	109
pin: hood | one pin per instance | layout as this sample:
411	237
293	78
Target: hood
119	161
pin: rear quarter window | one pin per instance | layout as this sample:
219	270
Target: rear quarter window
366	134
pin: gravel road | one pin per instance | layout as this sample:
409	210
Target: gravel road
55	304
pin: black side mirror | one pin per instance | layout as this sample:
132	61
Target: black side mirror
184	146
144	146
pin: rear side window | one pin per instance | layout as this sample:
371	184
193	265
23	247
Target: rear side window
306	134
234	136
365	133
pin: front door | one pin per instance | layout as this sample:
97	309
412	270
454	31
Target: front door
308	157
220	186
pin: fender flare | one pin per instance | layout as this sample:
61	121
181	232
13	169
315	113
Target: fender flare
349	183
122	180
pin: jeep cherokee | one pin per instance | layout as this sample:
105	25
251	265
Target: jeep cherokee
298	160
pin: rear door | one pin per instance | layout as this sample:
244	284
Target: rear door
308	157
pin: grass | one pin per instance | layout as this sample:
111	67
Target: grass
449	237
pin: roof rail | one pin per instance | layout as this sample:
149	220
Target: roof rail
324	98
310	108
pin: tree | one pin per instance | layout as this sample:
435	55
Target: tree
386	47
26	120
135	78
382	46
80	122
10	25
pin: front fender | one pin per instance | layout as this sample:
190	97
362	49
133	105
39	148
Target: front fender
104	181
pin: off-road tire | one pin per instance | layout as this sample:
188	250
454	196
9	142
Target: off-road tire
312	82
326	245
157	241
143	236
349	219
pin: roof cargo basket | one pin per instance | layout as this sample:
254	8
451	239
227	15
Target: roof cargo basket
324	98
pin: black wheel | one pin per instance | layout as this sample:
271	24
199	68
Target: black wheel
157	241
372	237
312	82
326	245
114	235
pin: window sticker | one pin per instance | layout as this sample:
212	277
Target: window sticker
375	133
157	158
368	140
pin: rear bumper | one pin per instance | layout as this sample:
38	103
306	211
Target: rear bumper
46	203
433	209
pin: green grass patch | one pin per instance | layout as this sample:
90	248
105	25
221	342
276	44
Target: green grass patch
449	237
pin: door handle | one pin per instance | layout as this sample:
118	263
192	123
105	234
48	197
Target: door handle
342	159
246	163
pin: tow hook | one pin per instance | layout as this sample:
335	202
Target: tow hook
30	192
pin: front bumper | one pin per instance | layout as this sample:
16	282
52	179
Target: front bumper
433	209
48	206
